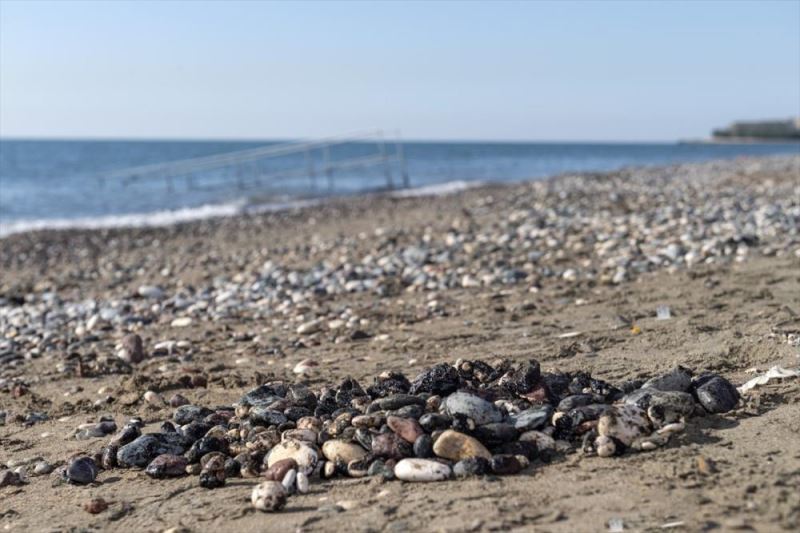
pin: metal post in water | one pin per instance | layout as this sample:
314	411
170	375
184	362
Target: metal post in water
326	152
310	168
387	169
401	160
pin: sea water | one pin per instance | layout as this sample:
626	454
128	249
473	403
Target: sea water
60	184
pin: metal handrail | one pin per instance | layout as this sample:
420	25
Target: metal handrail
188	168
217	160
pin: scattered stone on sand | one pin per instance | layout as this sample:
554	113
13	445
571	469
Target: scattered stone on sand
131	349
81	470
95	505
269	496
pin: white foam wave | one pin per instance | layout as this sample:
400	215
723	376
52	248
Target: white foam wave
189	214
157	218
439	189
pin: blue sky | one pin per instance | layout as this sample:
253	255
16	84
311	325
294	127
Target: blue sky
481	71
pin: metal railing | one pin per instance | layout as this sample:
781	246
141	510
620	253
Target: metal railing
257	167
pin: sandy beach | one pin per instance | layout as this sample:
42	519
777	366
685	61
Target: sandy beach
569	271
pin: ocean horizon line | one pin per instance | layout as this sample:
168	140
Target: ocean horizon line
388	138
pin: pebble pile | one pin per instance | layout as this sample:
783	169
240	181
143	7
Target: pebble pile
457	420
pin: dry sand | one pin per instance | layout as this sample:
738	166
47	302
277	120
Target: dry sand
723	320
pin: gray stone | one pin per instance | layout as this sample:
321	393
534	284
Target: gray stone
678	379
471	406
717	395
144	449
532	418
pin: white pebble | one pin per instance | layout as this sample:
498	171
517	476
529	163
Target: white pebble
289	480
268	496
153	398
182	322
302	483
421	470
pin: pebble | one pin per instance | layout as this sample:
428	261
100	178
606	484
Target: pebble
495	434
342	452
705	466
717	395
150	291
212	475
153	398
95	505
472	466
145	448
359	468
95	430
42	468
167	465
605	446
302	483
677	402
348	505
9	478
532	418
182	322
421	470
132	349
289	481
279	469
190	413
206	445
423	446
506	465
306	366
678	379
81	470
473	407
268	496
304	455
389	445
178	400
457	446
624	423
441	379
407	429
310	327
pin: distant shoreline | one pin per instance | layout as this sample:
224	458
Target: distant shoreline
741	140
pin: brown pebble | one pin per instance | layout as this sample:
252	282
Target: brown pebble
95	505
705	466
278	470
407	429
457	446
177	400
391	446
133	348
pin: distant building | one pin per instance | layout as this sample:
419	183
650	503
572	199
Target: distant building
762	129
